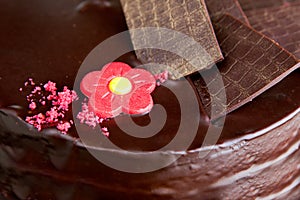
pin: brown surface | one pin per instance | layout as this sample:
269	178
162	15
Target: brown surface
217	8
253	63
281	23
188	17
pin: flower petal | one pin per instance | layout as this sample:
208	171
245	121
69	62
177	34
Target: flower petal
141	79
138	102
89	83
104	103
114	69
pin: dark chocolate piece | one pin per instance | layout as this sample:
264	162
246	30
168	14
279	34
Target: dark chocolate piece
253	63
217	8
188	17
282	24
255	4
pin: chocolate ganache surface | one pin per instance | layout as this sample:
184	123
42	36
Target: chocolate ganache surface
48	40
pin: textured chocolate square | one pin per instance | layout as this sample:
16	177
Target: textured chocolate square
217	8
253	63
281	23
257	4
189	17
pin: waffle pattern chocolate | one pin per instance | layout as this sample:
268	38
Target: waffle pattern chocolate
281	24
217	8
188	17
253	63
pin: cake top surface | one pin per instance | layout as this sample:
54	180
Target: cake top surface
50	40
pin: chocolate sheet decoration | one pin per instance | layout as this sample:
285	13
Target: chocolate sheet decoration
189	17
255	4
253	63
217	8
280	23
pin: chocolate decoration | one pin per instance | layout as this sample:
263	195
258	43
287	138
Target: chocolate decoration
217	8
259	143
251	4
253	63
187	17
281	23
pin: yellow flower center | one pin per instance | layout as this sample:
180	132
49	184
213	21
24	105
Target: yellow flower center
120	86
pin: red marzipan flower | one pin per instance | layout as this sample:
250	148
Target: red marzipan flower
118	88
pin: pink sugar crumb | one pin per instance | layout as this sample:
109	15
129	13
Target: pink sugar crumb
36	89
37	121
65	98
60	102
30	80
50	86
52	115
105	131
161	77
64	127
32	105
88	117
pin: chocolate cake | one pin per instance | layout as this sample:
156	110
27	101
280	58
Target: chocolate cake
248	148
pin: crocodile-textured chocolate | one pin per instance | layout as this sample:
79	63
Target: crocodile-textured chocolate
255	4
281	23
189	17
253	63
217	8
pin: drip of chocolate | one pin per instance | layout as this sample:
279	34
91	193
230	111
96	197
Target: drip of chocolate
186	17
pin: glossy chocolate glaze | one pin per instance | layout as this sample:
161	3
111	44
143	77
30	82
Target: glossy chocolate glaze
49	40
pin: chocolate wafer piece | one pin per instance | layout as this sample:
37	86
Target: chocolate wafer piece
189	17
255	4
253	63
281	23
217	8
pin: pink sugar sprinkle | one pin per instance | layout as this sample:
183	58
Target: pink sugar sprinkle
52	115
161	77
51	97
89	118
32	105
104	129
36	89
37	121
20	89
31	81
60	103
50	86
65	98
105	133
63	127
